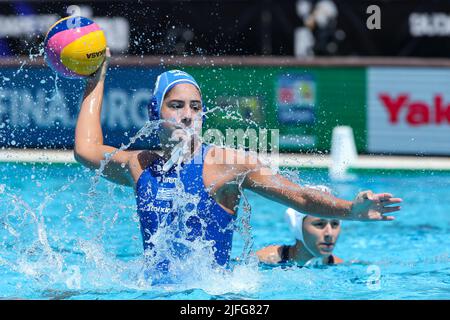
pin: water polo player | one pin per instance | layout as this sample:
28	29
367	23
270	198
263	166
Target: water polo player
315	240
197	201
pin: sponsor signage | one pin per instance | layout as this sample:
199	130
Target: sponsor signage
296	99
39	110
295	102
408	111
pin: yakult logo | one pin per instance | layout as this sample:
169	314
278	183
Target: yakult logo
408	111
418	113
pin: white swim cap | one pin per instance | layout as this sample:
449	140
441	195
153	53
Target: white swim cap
295	219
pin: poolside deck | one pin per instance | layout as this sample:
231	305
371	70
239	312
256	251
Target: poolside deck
284	160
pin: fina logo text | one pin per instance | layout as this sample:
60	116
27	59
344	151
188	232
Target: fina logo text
92	55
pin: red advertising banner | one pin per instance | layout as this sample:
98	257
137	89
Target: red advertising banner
408	111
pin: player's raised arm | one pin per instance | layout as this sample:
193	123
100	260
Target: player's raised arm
89	149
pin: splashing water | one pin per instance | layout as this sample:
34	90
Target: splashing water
67	233
53	270
48	251
50	263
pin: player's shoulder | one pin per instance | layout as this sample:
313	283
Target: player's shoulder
270	254
272	250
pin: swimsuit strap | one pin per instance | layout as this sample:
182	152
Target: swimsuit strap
331	259
284	254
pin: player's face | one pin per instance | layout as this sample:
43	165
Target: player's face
182	108
321	235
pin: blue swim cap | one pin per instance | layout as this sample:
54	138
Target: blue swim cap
166	81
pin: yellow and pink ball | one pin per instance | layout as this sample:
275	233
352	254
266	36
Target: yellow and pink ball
75	47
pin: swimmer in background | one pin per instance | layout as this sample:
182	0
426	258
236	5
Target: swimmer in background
216	182
315	240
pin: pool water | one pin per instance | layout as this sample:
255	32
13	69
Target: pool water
65	234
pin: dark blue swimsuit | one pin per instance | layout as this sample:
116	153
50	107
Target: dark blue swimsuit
155	192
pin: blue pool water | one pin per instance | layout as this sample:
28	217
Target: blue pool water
64	235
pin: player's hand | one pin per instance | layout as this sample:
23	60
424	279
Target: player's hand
368	206
100	74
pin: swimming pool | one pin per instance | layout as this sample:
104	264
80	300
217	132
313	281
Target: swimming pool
65	235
